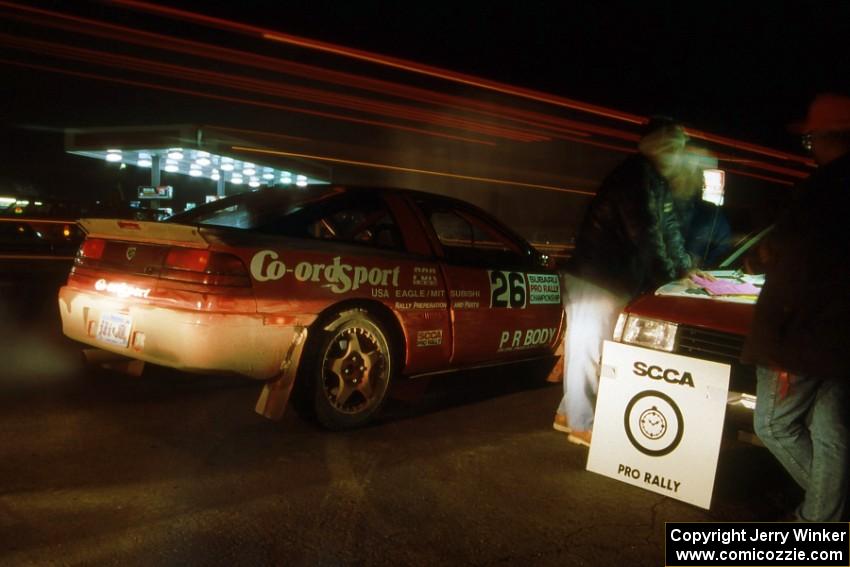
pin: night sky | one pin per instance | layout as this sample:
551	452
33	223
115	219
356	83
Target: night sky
740	69
737	68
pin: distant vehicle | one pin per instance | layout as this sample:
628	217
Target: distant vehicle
18	237
37	249
688	321
372	285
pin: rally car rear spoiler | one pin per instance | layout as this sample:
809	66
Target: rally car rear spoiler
146	231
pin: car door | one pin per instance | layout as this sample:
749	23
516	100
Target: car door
503	303
330	247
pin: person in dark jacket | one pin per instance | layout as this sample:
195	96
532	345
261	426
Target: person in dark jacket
800	334
629	242
705	229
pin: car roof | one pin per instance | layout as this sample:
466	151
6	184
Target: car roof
434	198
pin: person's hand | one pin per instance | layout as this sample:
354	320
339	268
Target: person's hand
699	273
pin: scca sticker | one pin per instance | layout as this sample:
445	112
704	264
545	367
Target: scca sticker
429	338
507	289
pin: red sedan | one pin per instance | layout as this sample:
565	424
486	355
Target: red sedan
686	319
339	291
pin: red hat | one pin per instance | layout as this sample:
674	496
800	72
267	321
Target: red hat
827	113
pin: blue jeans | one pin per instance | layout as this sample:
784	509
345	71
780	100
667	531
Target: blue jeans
591	316
806	430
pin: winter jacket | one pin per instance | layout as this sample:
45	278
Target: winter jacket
707	234
802	319
629	240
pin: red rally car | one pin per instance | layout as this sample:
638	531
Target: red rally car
338	290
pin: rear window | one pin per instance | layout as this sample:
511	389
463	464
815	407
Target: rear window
323	213
254	210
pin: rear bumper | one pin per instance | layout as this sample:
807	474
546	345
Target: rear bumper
192	341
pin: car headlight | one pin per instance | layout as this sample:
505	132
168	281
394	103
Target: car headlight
646	332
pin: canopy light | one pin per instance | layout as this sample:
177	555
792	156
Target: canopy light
202	164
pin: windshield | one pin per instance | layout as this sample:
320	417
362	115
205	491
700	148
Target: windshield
254	210
745	254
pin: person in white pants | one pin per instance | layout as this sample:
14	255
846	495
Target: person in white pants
629	242
591	315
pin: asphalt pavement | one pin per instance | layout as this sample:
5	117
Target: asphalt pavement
99	468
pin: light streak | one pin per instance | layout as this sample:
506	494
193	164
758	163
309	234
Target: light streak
393	62
565	129
138	37
270	88
436	72
766	166
544	122
262	104
411	170
753	148
762	177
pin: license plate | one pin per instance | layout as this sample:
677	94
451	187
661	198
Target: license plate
114	329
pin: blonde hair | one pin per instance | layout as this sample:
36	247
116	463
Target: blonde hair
663	147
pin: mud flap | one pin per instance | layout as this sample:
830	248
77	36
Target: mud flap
275	395
557	372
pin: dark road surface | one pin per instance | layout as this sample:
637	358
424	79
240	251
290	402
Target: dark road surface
99	468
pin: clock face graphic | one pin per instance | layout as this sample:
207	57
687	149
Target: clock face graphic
653	423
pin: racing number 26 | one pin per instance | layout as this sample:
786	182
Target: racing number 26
507	289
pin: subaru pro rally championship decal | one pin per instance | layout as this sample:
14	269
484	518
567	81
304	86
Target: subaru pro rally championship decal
515	290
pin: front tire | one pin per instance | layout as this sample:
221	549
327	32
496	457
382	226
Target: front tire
355	365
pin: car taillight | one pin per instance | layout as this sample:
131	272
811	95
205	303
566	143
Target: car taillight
188	259
92	248
205	267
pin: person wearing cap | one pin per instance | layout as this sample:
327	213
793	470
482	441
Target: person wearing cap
801	328
628	242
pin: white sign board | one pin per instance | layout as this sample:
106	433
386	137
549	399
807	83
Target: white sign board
659	420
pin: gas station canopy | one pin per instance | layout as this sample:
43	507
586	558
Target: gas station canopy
196	151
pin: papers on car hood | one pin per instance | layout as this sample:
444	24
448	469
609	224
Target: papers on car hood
730	285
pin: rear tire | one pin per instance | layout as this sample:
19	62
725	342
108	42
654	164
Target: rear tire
354	366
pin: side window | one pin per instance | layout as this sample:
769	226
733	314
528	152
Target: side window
369	223
452	229
470	239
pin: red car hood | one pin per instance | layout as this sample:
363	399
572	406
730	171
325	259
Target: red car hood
698	311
